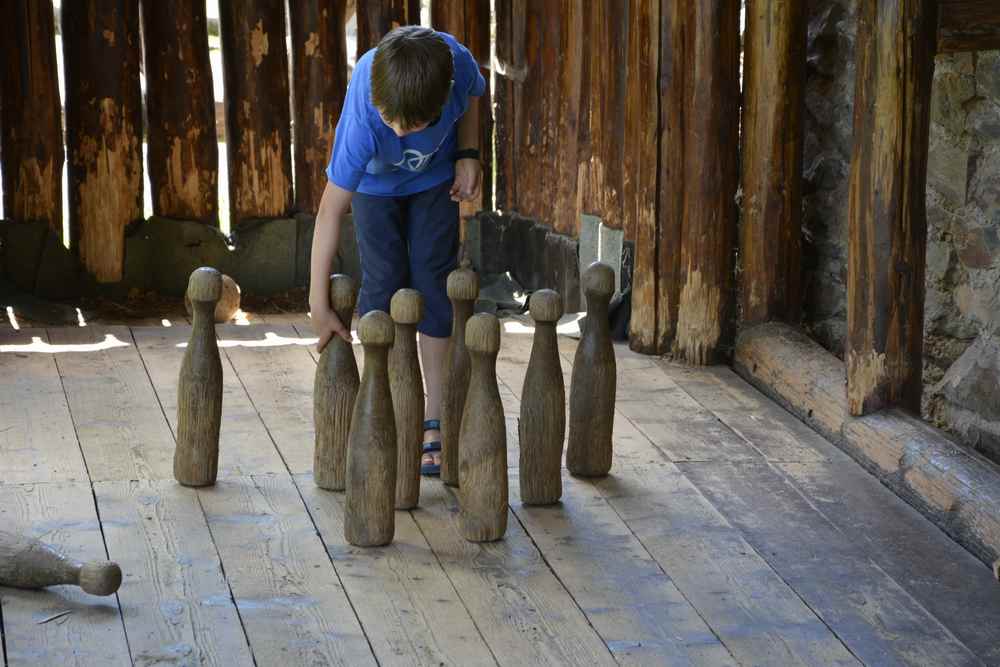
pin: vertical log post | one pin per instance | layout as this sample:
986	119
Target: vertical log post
180	108
673	91
711	175
640	168
31	140
770	236
468	21
103	129
378	17
258	120
510	74
319	82
564	123
887	228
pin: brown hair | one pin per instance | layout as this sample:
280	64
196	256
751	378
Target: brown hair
411	75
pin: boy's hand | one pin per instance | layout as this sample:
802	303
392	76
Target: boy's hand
468	180
326	324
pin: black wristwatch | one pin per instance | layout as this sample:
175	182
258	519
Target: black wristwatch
467	154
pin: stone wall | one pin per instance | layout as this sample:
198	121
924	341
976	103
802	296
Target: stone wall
962	320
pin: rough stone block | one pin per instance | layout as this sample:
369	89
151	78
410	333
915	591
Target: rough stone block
161	253
627	265
60	274
23	244
306	224
610	253
347	252
948	168
536	250
264	256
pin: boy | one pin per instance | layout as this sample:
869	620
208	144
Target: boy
405	153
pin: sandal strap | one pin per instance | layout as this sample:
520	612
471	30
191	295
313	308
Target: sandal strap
432	447
432	425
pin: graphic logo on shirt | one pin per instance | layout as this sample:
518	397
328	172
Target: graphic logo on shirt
414	160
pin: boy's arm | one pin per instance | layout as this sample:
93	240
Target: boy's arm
468	172
326	238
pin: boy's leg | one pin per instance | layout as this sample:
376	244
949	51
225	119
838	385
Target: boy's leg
432	230
380	230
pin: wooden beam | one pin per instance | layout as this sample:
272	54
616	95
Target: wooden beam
31	140
639	167
180	107
563	124
674	82
968	25
103	129
954	487
887	229
710	178
509	55
773	101
258	120
378	17
319	82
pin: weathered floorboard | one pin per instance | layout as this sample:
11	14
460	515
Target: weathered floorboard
629	600
945	578
875	617
62	515
522	610
408	608
244	445
37	439
293	607
175	601
759	618
122	431
275	366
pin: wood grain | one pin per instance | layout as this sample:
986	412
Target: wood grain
176	604
121	427
968	25
37	439
406	384
292	605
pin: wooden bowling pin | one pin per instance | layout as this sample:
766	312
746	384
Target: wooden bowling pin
334	391
463	288
28	563
593	382
483	449
407	386
199	389
542	425
369	516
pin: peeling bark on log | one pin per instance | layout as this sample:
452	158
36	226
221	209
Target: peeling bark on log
180	107
103	129
378	17
773	99
319	62
887	221
31	147
509	89
968	25
710	168
258	120
640	169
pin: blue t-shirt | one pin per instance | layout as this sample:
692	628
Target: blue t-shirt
369	158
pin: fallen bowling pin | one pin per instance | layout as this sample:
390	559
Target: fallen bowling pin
29	563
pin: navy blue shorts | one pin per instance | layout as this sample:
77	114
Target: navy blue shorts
409	241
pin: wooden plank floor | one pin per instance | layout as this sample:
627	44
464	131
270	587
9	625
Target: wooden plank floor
727	534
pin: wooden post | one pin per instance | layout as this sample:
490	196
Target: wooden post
258	130
968	25
887	229
319	82
469	22
180	107
674	57
31	140
639	169
773	99
710	173
378	17
510	74
103	129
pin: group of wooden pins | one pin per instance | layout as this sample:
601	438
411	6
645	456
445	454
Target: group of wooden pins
369	430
